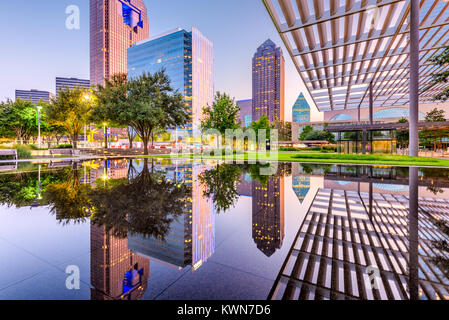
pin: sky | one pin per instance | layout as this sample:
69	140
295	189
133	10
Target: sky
37	46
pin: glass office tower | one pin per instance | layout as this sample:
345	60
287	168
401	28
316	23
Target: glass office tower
115	25
268	82
188	59
34	95
301	110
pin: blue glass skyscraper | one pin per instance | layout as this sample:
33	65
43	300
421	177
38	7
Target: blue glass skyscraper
188	60
301	110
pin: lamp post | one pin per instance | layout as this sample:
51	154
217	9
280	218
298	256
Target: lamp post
87	98
39	126
105	135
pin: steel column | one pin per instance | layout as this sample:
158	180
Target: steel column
371	103
413	267
414	77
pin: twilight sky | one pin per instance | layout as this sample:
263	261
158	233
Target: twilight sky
37	47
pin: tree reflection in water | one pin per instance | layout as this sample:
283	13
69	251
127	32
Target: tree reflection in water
69	200
146	205
221	183
441	247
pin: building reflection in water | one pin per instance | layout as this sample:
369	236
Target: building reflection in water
301	187
268	214
110	261
191	239
351	234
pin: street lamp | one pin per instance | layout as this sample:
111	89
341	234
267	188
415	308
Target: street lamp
87	98
39	126
105	136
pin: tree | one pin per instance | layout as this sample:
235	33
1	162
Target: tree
262	124
18	119
443	76
403	136
144	103
71	109
222	115
305	132
435	135
221	184
310	134
284	129
145	205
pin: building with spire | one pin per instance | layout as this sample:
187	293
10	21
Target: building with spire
268	82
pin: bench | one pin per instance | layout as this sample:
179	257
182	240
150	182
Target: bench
8	168
60	164
9	152
62	152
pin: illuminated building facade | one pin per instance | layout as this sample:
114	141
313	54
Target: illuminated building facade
301	110
268	215
71	83
34	95
191	238
268	82
246	112
110	260
115	25
188	59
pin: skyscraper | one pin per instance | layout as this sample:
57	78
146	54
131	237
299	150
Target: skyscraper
301	110
110	260
188	58
34	95
71	83
115	25
268	82
246	112
268	214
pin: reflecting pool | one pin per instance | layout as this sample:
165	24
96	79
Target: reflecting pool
178	229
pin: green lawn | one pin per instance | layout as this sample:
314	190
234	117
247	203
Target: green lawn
329	158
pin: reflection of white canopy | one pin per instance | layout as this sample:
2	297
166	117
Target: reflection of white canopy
341	46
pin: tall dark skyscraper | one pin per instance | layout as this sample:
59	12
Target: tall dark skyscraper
268	215
110	260
115	25
268	82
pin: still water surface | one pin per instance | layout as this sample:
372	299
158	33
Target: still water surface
163	229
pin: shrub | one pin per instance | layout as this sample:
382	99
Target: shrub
329	148
65	146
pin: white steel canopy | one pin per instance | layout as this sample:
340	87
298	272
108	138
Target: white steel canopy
341	46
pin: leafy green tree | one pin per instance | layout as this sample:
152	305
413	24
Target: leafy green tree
71	109
146	104
18	119
222	115
145	205
310	134
221	183
434	136
69	200
285	130
443	76
305	132
262	124
403	136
